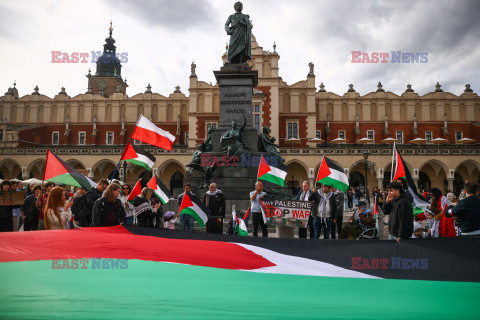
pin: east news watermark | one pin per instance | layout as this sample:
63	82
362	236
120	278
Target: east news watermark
389	57
90	263
85	57
392	263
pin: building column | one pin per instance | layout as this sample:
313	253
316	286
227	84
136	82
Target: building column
25	173
90	173
380	178
415	180
121	173
311	178
450	183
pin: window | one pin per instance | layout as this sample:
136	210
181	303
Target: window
371	135
458	135
186	137
341	134
292	130
137	142
109	138
82	136
318	134
428	136
211	125
400	137
55	137
257	119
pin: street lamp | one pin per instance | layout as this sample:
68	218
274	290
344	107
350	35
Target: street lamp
365	165
124	171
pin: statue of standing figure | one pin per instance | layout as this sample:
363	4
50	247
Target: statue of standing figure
239	29
267	144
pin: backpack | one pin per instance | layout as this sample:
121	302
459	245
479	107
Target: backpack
79	207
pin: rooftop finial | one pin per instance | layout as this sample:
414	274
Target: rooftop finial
322	87
380	87
111	28
274	47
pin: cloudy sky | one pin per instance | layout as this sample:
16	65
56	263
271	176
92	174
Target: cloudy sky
163	37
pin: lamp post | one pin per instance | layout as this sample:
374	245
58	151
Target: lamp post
365	157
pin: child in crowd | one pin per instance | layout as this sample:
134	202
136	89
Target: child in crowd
418	231
433	221
169	220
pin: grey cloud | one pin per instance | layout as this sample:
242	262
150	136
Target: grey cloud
175	15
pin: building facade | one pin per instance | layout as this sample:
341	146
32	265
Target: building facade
90	130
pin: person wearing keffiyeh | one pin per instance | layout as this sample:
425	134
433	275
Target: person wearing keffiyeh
324	210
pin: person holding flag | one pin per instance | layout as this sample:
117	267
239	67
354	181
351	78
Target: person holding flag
186	221
323	211
256	208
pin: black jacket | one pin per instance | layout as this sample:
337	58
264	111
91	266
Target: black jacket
30	210
180	198
468	212
103	207
400	210
315	197
92	196
215	203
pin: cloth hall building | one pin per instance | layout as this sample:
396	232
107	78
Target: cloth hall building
90	130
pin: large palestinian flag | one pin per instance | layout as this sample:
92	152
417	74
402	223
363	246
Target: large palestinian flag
193	206
147	273
332	175
401	171
136	155
149	133
58	171
159	188
271	173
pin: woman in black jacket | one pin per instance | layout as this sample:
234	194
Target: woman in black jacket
108	210
144	211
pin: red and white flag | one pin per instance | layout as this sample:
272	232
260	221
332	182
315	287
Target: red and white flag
147	132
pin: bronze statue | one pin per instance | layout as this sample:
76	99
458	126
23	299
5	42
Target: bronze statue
239	28
267	144
232	141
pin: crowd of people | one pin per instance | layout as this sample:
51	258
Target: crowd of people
54	207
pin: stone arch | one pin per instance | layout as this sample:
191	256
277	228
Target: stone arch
297	173
344	112
184	112
448	111
76	164
432	110
169	112
436	171
103	169
10	169
108	113
469	170
200	103
286	103
303	103
266	70
169	173
418	111
216	103
155	113
36	168
359	111
462	112
403	112
373	112
140	110
81	113
317	167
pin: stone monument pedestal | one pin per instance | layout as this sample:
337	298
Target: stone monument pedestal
285	232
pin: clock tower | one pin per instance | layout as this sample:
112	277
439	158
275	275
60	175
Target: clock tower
108	76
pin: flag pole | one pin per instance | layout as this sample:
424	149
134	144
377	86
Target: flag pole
129	139
393	157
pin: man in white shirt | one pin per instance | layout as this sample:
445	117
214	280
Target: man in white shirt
256	209
304	195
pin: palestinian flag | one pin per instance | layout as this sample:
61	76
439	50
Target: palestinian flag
147	132
159	188
401	171
272	174
137	189
151	272
332	175
240	227
58	171
136	155
193	206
